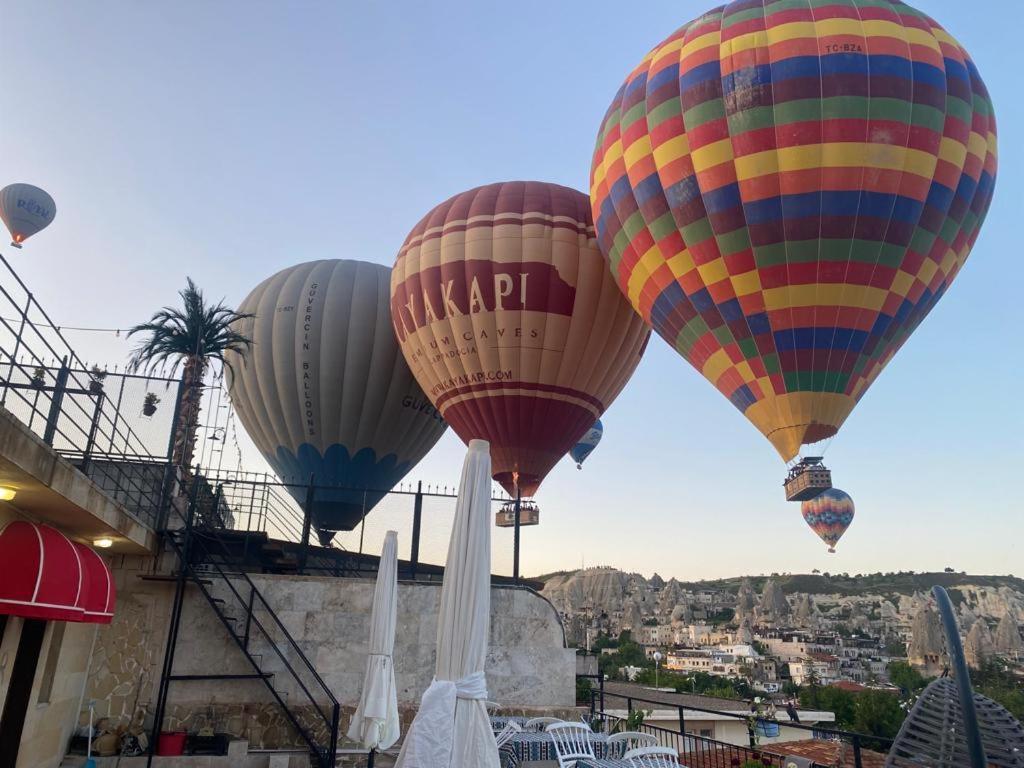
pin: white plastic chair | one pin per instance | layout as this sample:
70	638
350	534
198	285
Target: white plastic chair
620	743
572	743
505	735
540	723
653	757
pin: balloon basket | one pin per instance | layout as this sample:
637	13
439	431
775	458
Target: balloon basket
808	479
831	550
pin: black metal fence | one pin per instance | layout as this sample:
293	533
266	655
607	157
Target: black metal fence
698	750
115	427
422	514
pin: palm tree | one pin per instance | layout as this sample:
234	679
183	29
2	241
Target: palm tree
195	335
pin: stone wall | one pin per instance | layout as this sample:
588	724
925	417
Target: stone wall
528	666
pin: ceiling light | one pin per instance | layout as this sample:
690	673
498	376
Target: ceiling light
103	543
7	494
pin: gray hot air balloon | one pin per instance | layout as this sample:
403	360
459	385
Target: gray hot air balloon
326	391
25	210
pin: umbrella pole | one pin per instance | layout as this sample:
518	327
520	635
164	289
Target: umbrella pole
369	759
515	538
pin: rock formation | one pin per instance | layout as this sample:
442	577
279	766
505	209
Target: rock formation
1007	640
926	650
978	647
774	607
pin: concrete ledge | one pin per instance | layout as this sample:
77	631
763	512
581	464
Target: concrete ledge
54	491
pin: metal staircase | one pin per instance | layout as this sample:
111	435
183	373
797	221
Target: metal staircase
272	653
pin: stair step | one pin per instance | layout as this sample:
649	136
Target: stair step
253	676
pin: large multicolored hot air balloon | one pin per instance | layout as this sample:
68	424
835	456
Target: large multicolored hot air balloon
829	515
25	210
325	391
509	319
784	190
587	444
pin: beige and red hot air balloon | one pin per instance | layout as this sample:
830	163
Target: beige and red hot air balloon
512	323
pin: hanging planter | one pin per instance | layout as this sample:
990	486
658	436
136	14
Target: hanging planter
38	380
149	404
97	375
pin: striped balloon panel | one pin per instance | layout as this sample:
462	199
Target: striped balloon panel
512	324
784	189
828	515
325	392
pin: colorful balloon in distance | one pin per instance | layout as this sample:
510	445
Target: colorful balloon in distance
784	191
325	391
25	210
829	515
512	324
587	444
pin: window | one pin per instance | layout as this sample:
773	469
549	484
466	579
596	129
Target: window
707	733
50	668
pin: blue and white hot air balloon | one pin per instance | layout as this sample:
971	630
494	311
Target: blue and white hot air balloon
587	444
25	210
325	390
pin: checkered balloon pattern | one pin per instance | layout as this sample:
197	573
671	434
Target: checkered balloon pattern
785	188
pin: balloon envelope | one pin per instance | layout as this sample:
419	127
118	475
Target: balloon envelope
325	391
829	515
25	210
512	324
785	190
587	444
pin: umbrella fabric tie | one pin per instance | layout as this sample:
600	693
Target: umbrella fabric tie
429	740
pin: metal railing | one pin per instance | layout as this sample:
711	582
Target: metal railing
423	514
101	421
699	751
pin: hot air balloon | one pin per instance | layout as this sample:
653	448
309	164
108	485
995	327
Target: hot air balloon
829	514
325	391
785	190
25	210
512	324
587	444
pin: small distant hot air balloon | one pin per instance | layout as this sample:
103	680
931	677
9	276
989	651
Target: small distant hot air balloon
785	190
512	324
829	514
25	210
325	391
587	444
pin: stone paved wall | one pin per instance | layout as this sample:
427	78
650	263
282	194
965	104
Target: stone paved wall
528	667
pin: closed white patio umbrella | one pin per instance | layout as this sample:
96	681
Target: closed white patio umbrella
375	723
452	729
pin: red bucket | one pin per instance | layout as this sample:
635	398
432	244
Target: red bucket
171	743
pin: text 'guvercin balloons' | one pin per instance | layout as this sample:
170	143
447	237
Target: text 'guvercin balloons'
509	319
325	391
784	191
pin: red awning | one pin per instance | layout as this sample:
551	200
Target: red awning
98	592
44	575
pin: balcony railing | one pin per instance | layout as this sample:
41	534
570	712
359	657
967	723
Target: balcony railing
98	420
698	751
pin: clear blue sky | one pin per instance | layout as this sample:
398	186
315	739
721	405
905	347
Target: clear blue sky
227	140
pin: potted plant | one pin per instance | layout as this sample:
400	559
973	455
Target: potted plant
149	404
96	377
38	377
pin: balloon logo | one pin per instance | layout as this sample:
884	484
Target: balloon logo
784	191
324	391
829	515
511	323
587	444
25	210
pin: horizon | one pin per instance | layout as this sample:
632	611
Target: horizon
194	140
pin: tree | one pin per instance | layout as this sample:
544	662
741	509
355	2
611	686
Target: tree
195	335
905	677
878	713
